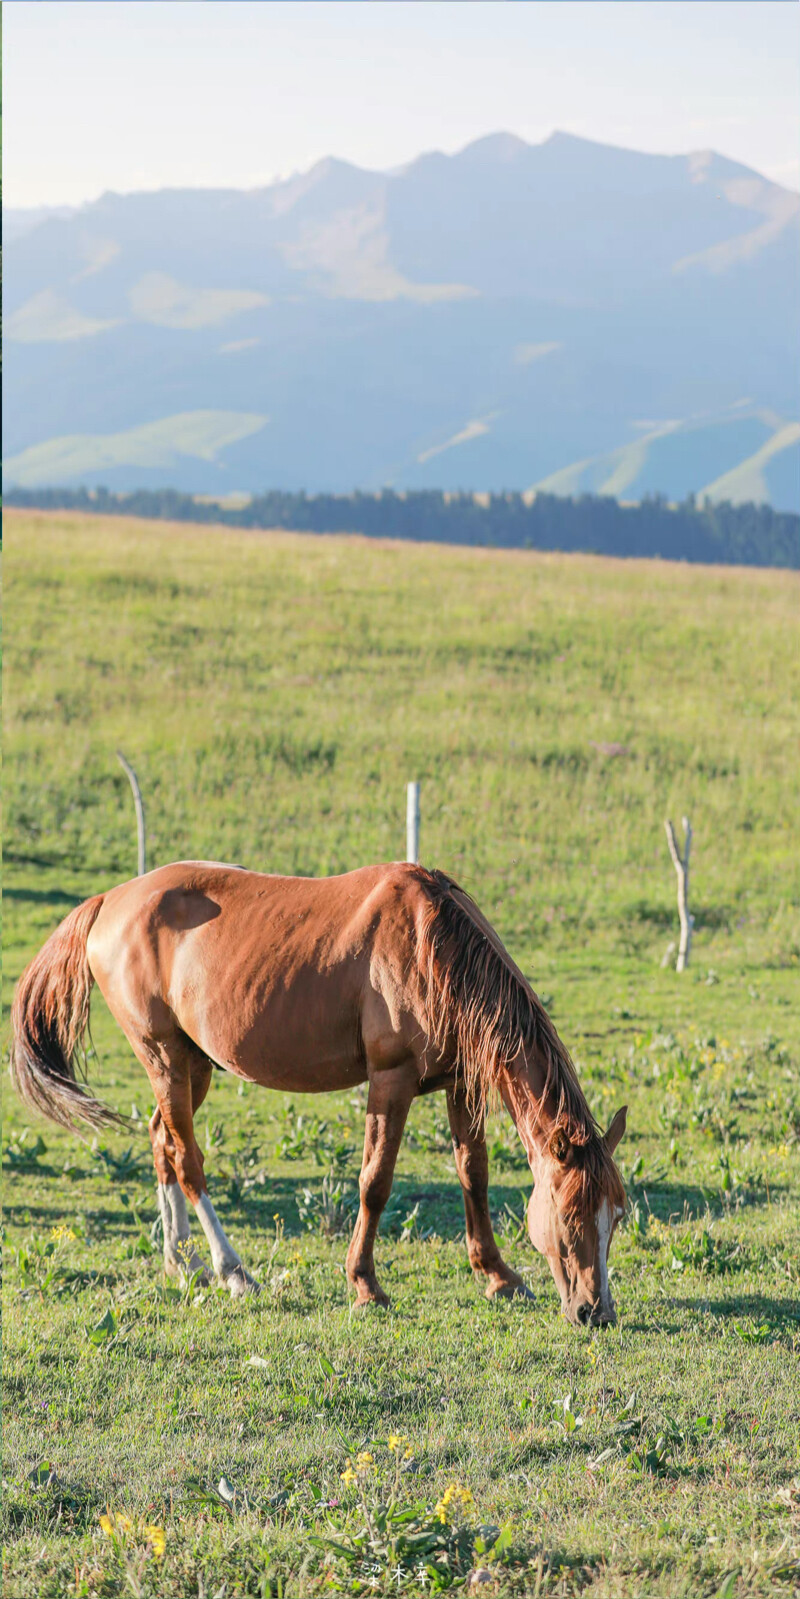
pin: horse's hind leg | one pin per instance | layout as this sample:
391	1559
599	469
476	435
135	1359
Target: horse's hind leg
180	1075
390	1094
472	1165
181	1259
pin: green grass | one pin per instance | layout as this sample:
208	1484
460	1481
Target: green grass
275	693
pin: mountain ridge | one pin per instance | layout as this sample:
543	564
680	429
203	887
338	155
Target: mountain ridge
482	320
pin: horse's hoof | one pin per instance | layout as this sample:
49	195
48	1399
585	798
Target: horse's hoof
512	1290
239	1282
377	1301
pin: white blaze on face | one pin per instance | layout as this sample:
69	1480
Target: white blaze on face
604	1223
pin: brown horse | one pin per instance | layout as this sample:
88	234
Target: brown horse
388	975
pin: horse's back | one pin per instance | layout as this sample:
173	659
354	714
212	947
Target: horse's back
258	967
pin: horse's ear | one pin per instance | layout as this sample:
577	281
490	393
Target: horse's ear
616	1130
559	1145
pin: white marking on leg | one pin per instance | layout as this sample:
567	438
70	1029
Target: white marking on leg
603	1241
223	1255
180	1256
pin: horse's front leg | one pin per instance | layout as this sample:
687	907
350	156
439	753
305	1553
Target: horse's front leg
472	1165
390	1094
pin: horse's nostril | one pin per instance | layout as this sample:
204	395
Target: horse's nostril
584	1312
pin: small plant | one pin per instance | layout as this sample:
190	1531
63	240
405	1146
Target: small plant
377	1535
566	1416
127	1167
506	1152
706	1254
307	1134
22	1153
133	1544
763	1334
38	1261
637	1222
244	1173
409	1227
105	1332
635	1171
331	1210
215	1137
729	1180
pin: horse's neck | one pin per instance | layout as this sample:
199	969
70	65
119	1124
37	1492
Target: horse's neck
532	1111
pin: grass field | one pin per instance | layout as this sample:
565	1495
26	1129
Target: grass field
275	693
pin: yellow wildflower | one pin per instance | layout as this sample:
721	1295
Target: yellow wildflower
455	1493
348	1476
157	1540
397	1440
116	1522
364	1460
59	1233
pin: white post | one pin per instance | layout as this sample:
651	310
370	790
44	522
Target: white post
137	800
412	823
681	864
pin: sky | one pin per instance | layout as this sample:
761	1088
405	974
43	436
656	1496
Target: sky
149	94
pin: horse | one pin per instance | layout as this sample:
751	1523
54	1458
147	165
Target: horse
388	975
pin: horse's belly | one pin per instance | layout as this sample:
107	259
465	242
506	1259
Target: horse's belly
301	1077
281	1035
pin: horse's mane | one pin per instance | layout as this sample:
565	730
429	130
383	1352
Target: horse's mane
480	1007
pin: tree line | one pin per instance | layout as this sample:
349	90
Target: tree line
748	535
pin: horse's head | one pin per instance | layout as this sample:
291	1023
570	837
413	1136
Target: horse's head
576	1203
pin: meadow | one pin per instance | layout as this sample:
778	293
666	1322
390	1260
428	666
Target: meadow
275	693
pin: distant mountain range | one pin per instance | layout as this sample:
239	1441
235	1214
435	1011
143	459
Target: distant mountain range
565	315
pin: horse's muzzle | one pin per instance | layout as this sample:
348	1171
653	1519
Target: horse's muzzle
595	1315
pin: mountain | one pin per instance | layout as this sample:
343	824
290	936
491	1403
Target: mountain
566	315
20	219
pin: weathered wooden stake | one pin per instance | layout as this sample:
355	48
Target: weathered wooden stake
137	800
412	823
681	864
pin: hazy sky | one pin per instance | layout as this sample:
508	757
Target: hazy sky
143	94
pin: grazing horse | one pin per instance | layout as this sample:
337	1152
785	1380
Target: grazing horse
388	975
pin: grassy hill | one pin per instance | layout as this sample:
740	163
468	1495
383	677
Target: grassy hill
750	454
275	692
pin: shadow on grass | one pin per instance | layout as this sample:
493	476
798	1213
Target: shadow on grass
42	896
39	1169
671	1199
441	1205
663	916
779	1314
18	859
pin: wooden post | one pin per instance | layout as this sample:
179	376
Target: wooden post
681	864
412	823
137	800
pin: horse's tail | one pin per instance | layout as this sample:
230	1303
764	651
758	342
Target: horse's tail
49	1018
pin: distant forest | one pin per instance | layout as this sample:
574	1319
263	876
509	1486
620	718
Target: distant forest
747	535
